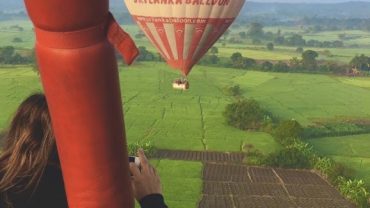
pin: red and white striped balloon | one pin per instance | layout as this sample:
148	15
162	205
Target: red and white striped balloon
184	30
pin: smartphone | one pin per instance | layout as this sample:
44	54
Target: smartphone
133	159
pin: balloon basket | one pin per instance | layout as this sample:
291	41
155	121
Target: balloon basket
180	84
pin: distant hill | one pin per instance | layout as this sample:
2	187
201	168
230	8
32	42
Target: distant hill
294	9
11	5
291	10
331	9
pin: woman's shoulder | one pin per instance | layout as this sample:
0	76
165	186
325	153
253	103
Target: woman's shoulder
49	192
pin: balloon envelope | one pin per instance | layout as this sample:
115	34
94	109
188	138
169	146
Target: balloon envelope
184	30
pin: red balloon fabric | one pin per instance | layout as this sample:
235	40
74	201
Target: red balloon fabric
80	79
183	31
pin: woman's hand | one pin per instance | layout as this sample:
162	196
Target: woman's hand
146	181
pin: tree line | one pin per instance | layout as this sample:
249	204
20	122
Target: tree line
257	34
361	62
295	152
9	55
308	62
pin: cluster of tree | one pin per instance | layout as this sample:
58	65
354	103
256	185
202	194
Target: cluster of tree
317	24
256	33
287	130
296	153
270	46
245	114
361	62
297	40
211	58
145	55
240	62
17	40
307	63
293	40
8	55
16	27
234	91
360	24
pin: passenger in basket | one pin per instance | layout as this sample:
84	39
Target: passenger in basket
30	173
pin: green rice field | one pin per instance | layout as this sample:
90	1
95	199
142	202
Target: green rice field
192	120
181	182
350	150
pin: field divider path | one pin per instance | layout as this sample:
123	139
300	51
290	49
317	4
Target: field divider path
203	156
228	183
282	184
204	142
128	100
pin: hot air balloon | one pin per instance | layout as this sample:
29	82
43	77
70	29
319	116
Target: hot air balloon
184	30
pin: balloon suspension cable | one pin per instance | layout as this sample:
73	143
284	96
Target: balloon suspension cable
184	78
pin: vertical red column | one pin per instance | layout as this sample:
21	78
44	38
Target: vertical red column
80	78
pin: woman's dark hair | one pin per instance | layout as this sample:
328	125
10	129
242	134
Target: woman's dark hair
28	146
